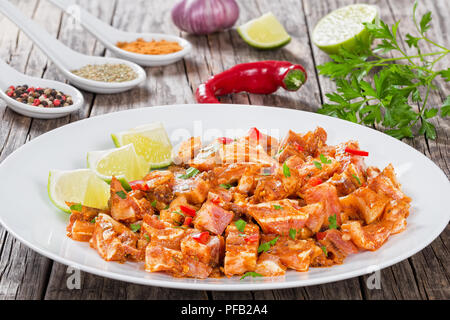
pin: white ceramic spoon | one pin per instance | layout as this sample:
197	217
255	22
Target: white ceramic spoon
11	77
109	36
67	59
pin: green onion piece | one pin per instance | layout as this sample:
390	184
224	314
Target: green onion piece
332	222
286	170
318	165
357	179
191	172
93	220
135	227
324	249
277	207
153	203
324	159
292	233
76	207
125	185
225	185
263	247
121	194
146	237
240	225
251	274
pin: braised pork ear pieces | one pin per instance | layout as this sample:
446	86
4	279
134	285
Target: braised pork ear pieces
250	206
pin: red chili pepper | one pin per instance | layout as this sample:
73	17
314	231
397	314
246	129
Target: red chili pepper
225	140
188	211
202	237
315	181
252	238
356	152
187	221
261	77
139	185
299	147
254	133
216	200
321	235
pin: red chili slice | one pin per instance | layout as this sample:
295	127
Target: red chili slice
224	140
187	221
188	211
216	200
252	238
315	181
321	235
139	185
356	152
299	147
201	237
254	133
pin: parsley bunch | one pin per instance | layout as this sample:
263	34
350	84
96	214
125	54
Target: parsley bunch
395	87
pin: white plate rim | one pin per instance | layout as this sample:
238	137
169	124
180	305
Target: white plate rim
254	285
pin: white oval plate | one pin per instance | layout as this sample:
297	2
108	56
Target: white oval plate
28	214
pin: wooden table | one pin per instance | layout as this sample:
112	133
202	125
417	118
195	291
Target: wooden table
24	274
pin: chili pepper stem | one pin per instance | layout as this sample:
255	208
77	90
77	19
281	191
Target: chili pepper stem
294	79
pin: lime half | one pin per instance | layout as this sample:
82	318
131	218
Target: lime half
122	163
265	32
342	27
78	186
150	141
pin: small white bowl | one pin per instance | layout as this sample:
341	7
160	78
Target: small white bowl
11	77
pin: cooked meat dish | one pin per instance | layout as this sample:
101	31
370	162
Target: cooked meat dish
251	206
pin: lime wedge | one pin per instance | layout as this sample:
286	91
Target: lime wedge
78	186
150	141
265	32
122	162
342	27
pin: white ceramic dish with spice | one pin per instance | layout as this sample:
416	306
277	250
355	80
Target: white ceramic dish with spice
11	77
109	36
67	59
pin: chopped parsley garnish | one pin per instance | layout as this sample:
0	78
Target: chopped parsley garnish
318	165
324	249
324	159
277	207
251	274
225	185
166	207
153	203
146	237
240	225
121	194
292	233
286	170
76	207
332	221
191	172
263	247
93	220
135	227
357	179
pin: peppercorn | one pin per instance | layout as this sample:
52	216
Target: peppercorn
39	97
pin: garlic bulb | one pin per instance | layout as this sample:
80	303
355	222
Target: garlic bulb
205	16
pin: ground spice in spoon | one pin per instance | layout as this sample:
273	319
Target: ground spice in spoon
150	47
107	72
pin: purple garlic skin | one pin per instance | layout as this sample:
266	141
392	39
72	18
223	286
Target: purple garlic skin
205	16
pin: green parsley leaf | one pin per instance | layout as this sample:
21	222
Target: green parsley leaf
251	274
153	203
135	227
263	247
324	159
332	222
325	251
240	225
318	165
225	185
277	207
191	172
445	109
357	178
286	170
292	233
76	207
121	194
93	220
